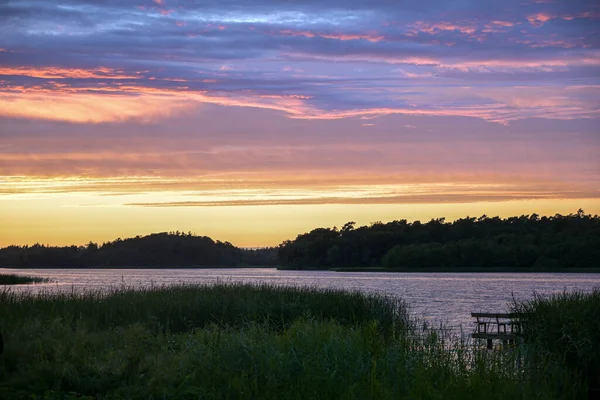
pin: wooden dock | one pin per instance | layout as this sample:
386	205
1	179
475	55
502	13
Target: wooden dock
496	326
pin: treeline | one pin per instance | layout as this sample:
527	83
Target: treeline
561	241
174	249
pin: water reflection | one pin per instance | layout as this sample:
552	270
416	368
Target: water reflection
447	298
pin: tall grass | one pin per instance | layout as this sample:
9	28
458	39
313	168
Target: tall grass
12	279
181	308
565	327
245	342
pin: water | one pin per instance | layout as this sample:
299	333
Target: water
447	298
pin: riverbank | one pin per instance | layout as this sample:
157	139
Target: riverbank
145	267
588	270
243	341
13	279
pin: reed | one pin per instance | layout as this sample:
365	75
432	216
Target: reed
246	342
565	327
180	308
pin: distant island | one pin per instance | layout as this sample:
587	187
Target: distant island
528	242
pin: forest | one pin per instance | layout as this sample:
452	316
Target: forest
172	249
527	241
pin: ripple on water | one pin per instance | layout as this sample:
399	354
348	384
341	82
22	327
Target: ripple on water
446	298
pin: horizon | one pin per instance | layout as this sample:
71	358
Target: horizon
254	122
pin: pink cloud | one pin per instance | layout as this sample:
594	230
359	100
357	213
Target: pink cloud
62	73
503	23
539	19
336	36
148	104
435	28
587	14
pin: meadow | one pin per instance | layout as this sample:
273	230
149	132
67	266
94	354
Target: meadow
241	341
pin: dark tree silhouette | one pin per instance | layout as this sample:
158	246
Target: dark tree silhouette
522	242
175	249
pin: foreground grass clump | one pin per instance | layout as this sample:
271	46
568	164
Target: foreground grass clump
566	327
246	342
12	279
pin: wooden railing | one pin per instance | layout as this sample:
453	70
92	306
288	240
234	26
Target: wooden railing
501	326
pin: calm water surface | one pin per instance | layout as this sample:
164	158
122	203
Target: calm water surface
447	298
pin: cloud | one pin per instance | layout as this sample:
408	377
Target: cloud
539	19
433	198
66	73
317	105
116	61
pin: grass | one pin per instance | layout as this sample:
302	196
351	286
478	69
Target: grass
566	327
185	307
241	341
12	279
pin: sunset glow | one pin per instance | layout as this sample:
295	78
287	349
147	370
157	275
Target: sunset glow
252	125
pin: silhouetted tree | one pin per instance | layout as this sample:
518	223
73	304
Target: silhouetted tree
523	242
174	249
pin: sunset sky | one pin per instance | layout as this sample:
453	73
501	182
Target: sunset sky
254	120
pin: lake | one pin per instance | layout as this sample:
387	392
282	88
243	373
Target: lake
447	298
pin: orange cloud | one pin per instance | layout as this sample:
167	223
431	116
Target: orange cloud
149	104
177	192
125	102
81	107
62	73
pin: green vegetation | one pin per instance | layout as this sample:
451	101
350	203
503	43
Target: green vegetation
528	241
242	341
12	279
175	249
566	327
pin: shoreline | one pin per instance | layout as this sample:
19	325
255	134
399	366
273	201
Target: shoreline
143	267
590	270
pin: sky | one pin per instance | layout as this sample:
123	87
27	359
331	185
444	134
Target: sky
252	121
